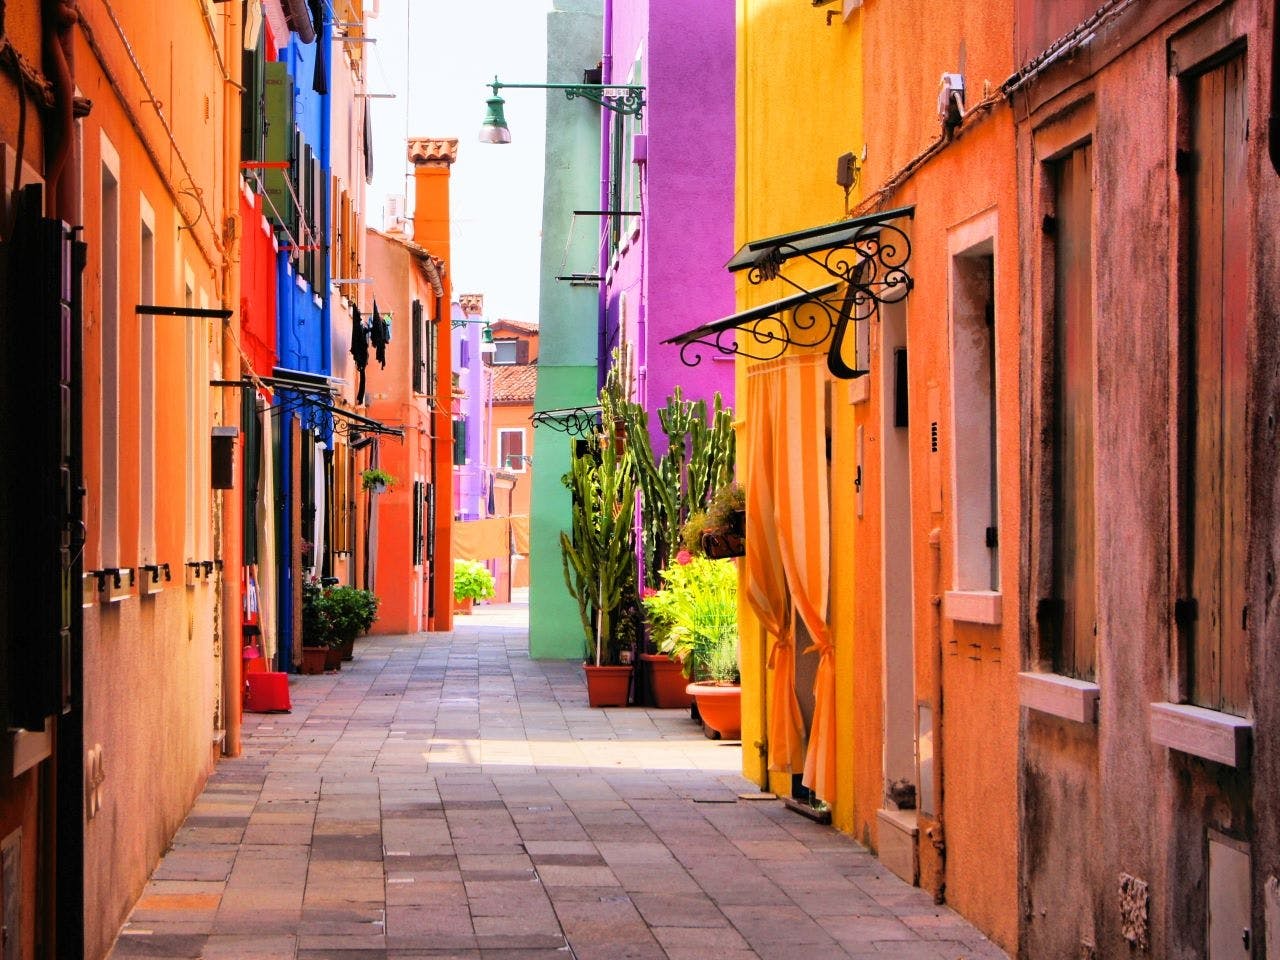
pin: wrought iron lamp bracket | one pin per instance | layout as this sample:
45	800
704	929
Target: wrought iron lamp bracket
629	102
571	421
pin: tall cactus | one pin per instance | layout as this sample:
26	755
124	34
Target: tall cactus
599	558
698	461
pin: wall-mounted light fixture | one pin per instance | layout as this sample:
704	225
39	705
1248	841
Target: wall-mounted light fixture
486	335
628	102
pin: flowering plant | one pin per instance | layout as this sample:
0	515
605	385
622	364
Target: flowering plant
694	617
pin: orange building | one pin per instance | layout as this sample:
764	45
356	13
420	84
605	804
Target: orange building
514	369
880	651
432	160
409	288
138	709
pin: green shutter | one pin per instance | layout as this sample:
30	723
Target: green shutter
459	443
279	140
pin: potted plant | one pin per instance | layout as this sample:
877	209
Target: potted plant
697	616
351	612
599	562
472	581
724	533
377	480
317	629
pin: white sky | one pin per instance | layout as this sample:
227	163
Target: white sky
452	48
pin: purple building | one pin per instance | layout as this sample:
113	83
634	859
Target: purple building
470	414
667	192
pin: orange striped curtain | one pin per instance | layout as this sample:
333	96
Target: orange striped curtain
788	554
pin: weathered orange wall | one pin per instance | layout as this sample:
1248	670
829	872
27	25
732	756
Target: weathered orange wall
151	664
906	47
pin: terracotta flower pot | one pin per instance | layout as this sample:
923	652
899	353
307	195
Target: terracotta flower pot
348	649
720	706
313	659
607	686
462	606
667	682
333	658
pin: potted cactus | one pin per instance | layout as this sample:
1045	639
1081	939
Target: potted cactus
599	563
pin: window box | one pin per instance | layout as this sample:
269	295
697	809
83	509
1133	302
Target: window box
973	606
1208	734
1059	696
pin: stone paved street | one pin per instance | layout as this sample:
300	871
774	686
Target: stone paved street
445	796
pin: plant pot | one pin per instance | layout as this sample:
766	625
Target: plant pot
462	606
607	686
333	658
720	706
313	659
723	543
347	648
667	682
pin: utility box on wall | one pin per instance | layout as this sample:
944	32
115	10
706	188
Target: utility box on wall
222	457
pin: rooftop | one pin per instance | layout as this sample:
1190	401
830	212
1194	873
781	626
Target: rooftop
514	383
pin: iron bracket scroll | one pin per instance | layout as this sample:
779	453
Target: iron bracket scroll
866	257
571	421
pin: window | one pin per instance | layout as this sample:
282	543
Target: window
109	413
1212	613
974	411
147	389
460	442
419	349
506	353
1067	616
511	451
419	505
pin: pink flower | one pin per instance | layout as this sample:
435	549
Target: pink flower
683	557
648	592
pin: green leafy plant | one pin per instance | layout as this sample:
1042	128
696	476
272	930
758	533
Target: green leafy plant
375	476
471	580
694	617
333	615
691	533
727	506
350	610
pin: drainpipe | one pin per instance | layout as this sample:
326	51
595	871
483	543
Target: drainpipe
935	833
232	547
1273	121
606	150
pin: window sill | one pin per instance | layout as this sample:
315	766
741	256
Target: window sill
973	606
1208	734
1059	696
30	748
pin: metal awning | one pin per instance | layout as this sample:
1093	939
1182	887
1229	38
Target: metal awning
765	332
853	240
866	256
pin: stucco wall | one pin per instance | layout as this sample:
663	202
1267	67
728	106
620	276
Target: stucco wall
1145	809
567	317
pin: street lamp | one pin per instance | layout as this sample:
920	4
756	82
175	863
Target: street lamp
629	102
486	335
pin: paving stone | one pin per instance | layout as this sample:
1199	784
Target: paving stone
444	796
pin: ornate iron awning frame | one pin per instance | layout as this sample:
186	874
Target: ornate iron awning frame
866	256
572	421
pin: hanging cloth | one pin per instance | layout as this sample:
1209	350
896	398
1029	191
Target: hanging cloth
359	350
788	475
378	334
266	534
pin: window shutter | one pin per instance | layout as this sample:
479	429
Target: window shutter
279	138
459	443
319	226
418	385
522	352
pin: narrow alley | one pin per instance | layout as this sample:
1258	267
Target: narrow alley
446	796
